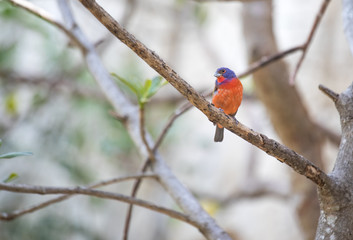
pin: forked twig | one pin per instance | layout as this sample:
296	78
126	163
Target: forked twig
305	46
145	166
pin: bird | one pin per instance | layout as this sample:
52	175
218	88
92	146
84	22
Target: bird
227	96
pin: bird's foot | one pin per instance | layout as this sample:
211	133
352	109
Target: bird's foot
236	121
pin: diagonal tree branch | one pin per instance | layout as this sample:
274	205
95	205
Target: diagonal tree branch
270	146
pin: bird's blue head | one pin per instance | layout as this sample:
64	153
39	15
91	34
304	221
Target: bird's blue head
225	72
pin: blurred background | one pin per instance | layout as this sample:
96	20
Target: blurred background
50	105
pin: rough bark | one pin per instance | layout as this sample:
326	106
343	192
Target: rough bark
336	198
284	106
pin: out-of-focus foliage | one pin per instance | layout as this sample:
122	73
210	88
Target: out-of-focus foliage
52	227
144	91
12	176
15	154
50	105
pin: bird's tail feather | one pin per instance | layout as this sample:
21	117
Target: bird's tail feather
218	137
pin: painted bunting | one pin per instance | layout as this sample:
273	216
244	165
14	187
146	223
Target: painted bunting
227	95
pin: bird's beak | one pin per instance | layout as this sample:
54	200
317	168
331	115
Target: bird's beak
217	74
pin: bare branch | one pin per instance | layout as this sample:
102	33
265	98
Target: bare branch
271	147
58	83
28	6
309	39
331	94
143	133
147	163
264	61
45	190
133	194
19	213
181	110
254	191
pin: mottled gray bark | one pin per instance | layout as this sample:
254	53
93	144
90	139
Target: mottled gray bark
336	198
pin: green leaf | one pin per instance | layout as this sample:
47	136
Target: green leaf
15	154
145	91
10	178
157	83
133	87
0	142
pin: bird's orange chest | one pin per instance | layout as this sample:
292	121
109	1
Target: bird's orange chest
228	95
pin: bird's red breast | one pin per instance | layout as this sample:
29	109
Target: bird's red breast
228	94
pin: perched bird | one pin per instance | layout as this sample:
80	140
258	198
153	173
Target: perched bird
227	96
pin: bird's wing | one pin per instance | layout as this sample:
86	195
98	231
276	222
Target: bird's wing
215	86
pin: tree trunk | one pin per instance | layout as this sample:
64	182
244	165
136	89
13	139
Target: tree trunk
284	106
336	198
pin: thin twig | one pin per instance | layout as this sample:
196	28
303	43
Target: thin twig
28	6
255	190
45	190
147	163
18	213
264	61
134	190
181	110
143	133
309	39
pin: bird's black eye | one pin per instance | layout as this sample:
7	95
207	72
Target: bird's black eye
223	71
